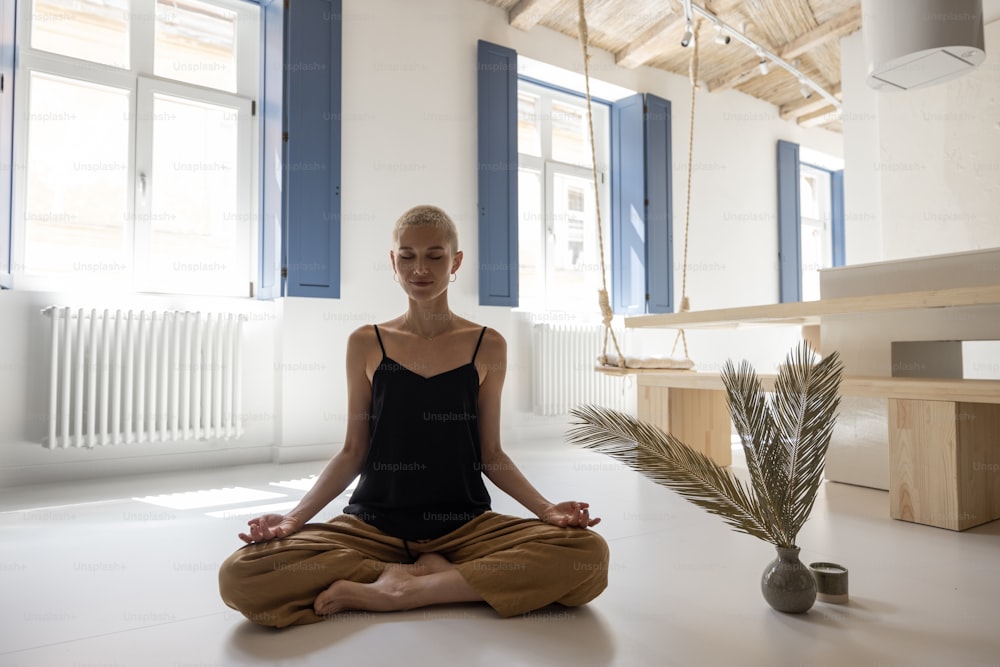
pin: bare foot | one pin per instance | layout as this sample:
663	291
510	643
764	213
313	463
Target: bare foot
385	594
431	580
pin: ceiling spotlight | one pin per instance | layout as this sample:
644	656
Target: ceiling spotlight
720	36
764	65
688	36
806	92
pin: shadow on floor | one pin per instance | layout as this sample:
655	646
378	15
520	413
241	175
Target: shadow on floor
554	635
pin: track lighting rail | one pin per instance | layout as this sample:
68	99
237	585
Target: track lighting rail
726	31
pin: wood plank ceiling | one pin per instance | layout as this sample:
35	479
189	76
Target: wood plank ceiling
805	33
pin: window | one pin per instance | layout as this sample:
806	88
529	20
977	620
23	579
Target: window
810	219
817	239
558	246
137	144
640	273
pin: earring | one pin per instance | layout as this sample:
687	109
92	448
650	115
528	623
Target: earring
395	278
454	277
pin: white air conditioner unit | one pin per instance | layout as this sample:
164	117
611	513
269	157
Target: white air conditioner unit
916	43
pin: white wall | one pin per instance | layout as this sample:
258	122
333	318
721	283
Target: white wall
922	167
409	137
862	186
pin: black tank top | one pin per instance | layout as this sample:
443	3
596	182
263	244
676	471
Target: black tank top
422	477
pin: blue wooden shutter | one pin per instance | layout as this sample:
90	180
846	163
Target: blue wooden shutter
659	220
7	15
837	217
628	206
272	125
311	192
789	223
497	165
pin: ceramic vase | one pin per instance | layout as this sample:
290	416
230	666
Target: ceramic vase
787	584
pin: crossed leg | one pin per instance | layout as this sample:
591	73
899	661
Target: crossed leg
515	565
430	580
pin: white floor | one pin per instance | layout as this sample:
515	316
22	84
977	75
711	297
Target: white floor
91	576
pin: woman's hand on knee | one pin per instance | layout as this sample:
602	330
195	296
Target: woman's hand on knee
570	513
269	527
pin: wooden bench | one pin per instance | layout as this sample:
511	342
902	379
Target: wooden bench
944	436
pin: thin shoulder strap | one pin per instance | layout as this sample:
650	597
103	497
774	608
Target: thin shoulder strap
379	336
478	343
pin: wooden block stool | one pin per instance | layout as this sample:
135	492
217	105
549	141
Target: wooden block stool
944	462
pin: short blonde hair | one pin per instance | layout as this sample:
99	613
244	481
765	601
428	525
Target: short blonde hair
427	216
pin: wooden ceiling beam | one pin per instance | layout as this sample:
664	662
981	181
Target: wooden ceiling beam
736	75
718	7
804	107
526	14
822	116
842	24
649	44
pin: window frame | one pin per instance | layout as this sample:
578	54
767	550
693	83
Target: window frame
825	222
8	21
548	167
248	23
237	279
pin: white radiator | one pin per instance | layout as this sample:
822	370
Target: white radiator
143	376
563	359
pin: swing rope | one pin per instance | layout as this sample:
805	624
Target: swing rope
607	314
693	76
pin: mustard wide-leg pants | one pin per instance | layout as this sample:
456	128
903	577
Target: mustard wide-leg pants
517	565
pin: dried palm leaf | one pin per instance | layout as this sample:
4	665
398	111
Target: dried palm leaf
784	438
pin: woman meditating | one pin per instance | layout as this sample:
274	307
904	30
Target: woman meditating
423	395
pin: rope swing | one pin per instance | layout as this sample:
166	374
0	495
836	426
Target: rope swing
607	315
693	76
602	295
